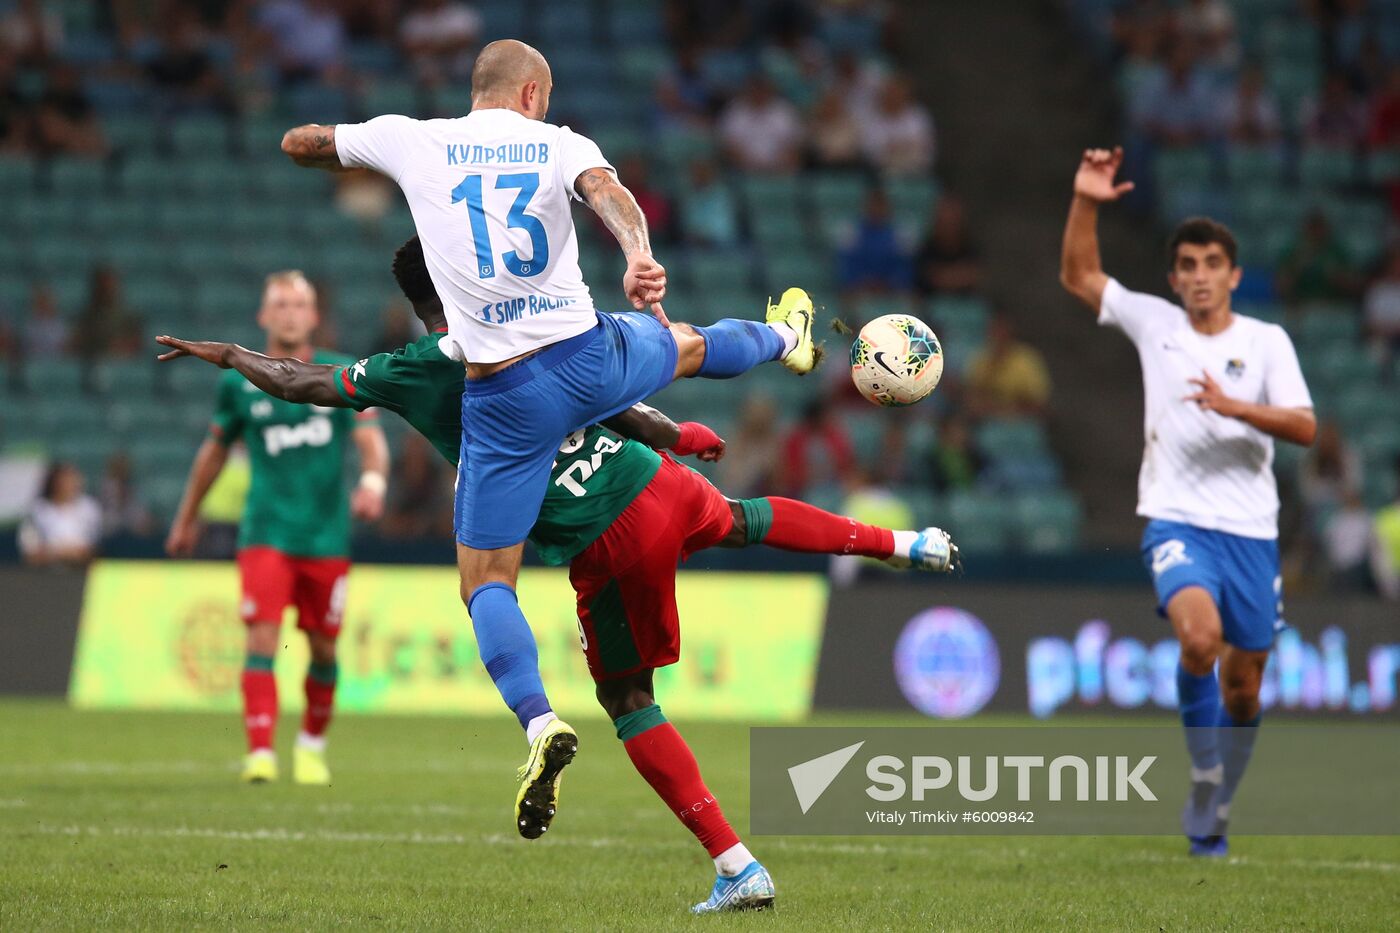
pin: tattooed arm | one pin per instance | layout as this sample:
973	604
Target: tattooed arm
645	280
313	146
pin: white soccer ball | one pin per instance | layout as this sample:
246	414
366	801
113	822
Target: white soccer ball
896	360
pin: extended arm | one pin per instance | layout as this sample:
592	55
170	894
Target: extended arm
1081	269
645	279
287	379
659	432
313	146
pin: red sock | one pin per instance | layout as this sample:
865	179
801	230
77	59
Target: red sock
798	526
661	756
320	699
259	707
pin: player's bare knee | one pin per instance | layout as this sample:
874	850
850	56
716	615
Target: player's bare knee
262	639
690	350
1199	652
1241	700
623	696
322	648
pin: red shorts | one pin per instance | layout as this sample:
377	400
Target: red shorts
626	580
272	581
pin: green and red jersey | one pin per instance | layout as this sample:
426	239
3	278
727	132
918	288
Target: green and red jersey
298	501
596	475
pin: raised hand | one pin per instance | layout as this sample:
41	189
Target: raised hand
1094	180
211	351
1211	397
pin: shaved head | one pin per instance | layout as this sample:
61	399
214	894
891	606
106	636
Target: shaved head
503	70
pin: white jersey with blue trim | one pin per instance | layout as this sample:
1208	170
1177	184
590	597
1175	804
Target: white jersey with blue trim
491	197
1200	467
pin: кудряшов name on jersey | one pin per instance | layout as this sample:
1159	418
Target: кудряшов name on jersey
504	154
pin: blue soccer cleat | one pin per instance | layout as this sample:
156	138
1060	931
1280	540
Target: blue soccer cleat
1209	846
1198	816
751	889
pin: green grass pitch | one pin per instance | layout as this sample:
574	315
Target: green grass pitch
136	820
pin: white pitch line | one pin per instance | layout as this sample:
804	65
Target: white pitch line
1361	865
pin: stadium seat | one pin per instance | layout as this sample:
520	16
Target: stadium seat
1048	523
1007	438
1254	165
16	174
1320	167
979	523
733	268
1317	327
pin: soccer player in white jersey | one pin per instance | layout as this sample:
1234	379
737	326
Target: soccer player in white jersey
1219	387
490	195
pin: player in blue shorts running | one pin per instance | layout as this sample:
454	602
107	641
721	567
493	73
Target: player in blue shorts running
490	194
1219	388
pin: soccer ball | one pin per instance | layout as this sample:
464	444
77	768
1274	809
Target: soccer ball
896	360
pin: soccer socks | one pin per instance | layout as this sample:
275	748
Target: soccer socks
507	648
734	346
1198	698
259	702
1236	745
320	698
797	526
661	756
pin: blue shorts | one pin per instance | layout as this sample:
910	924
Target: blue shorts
514	420
1240	574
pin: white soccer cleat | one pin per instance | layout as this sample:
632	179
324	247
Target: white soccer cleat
933	550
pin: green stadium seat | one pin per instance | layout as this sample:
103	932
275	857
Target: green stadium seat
778	230
804	269
137	255
200	135
1182	168
1320	167
1048	523
769	193
1005	438
980	523
1380	485
1319	327
837	193
1254	165
1362	404
16	174
387	95
1380	440
1383	167
706	268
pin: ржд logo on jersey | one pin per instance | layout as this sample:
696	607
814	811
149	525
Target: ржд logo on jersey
1167	555
315	431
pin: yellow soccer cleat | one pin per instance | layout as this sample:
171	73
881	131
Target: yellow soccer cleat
309	766
259	767
795	310
538	797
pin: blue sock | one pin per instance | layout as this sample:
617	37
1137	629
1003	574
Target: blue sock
1236	745
1199	701
507	648
734	346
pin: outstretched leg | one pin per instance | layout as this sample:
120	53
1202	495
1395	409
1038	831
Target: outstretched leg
733	346
791	525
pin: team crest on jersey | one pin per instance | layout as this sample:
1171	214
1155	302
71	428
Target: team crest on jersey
1235	368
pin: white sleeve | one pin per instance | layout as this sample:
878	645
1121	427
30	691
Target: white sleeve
578	154
382	144
1284	385
1134	313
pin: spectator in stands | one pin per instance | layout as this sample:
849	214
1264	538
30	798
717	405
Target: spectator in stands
307	38
1329	472
1384	131
750	464
870	499
1385	545
816	452
709	214
760	130
1007	378
365	196
420	499
1209	25
948	263
106	327
1316	268
64	524
875	260
635	173
1177	106
683	99
397	329
859	81
1381	306
65	121
1335	118
45	333
31	33
834	133
440	39
1249	113
955	462
123	511
898	133
181	67
1346	541
16	116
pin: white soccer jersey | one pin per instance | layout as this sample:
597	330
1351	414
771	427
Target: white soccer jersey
1199	467
490	194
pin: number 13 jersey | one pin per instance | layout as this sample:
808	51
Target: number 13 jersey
491	196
